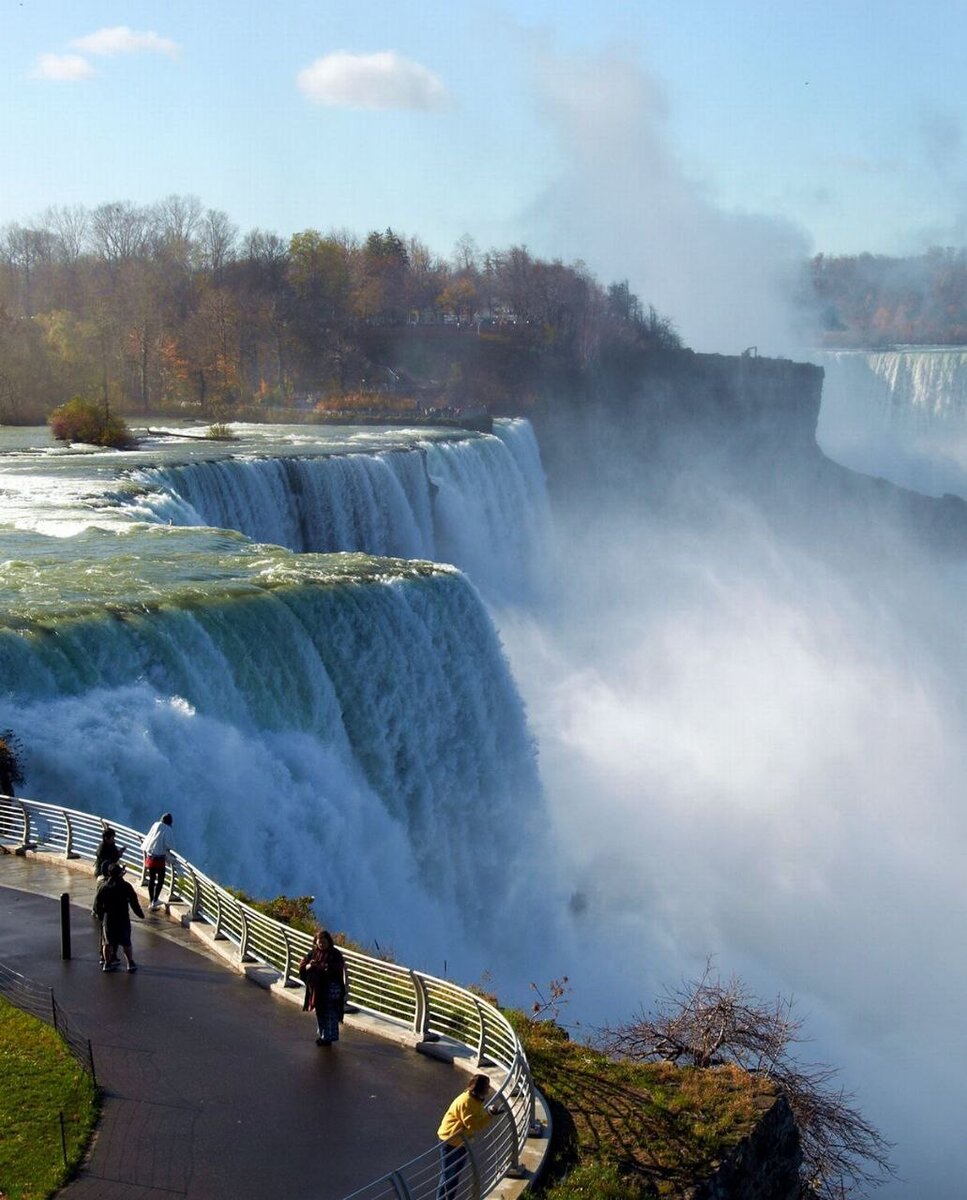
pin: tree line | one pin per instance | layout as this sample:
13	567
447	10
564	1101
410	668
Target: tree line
870	301
168	306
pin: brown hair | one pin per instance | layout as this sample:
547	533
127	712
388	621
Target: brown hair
479	1085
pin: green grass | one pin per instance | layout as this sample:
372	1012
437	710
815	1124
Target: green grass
633	1131
39	1080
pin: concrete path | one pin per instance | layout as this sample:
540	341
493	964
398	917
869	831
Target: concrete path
212	1086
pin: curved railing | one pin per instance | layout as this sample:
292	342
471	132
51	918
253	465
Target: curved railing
431	1009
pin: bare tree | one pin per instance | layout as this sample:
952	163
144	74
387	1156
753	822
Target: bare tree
218	237
70	224
709	1021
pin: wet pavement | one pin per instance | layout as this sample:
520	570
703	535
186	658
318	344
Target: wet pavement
212	1086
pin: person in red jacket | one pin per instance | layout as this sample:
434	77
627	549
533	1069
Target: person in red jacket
466	1116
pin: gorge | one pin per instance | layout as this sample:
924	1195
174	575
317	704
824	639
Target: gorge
743	671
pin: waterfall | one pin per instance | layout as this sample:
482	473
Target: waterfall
478	502
356	738
334	724
898	413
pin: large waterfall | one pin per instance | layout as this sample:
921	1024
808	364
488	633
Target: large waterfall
334	724
477	502
898	413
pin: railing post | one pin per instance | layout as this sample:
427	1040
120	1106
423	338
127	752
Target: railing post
475	1169
195	893
69	847
243	939
26	843
399	1186
421	1017
287	962
482	1042
218	914
515	1140
170	869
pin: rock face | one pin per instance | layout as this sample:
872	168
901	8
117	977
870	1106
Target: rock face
764	1166
688	427
682	408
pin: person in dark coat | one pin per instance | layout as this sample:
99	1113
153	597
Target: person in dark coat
323	970
108	852
112	900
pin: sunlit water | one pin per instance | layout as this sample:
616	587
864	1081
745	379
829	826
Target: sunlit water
746	750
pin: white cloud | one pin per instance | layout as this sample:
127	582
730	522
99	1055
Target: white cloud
121	39
64	68
382	80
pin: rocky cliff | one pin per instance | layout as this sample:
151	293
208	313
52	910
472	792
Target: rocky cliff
686	426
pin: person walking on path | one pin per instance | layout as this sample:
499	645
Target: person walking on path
323	970
112	900
157	845
108	852
466	1116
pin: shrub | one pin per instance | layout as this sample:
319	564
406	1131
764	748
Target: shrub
84	420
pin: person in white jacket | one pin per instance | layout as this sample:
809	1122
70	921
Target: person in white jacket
157	845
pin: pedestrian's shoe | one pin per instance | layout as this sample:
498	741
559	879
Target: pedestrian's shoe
132	967
108	966
154	906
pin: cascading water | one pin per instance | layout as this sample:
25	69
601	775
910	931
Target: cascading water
898	413
337	724
477	502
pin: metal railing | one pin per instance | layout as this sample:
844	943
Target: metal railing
430	1009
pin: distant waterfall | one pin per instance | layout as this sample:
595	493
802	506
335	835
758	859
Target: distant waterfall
478	502
340	739
898	413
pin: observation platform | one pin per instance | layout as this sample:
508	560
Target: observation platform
212	1087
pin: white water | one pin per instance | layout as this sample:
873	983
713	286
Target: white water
477	502
901	414
747	752
333	725
754	752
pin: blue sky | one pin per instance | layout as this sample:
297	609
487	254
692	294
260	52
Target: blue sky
818	125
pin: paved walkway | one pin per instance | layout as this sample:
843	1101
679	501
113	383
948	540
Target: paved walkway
213	1087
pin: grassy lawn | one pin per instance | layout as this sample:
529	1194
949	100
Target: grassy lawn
39	1080
625	1131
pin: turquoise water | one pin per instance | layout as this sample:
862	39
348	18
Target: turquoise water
198	627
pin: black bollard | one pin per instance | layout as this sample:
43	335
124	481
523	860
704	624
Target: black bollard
65	926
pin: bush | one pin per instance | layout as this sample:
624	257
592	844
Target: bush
86	420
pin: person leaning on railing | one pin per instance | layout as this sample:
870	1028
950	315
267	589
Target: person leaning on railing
466	1116
156	846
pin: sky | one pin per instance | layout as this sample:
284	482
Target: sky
832	127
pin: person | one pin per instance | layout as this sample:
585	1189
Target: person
108	852
156	846
466	1116
323	970
112	900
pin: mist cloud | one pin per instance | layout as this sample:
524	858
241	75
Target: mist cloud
755	753
625	204
384	80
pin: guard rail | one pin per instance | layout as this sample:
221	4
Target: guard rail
431	1009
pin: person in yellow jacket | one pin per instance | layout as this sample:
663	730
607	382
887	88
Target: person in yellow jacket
467	1115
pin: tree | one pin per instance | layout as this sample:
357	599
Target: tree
709	1021
11	756
85	420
